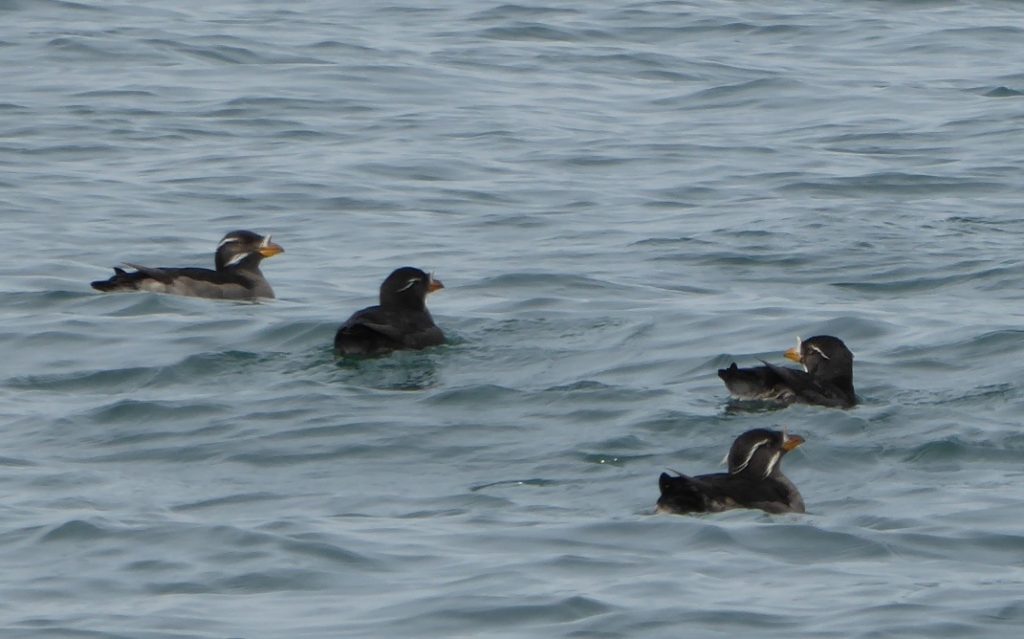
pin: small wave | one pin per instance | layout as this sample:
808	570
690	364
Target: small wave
531	31
104	380
893	183
1002	92
76	531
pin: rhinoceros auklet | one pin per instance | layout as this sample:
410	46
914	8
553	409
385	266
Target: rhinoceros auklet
401	321
754	480
827	378
237	275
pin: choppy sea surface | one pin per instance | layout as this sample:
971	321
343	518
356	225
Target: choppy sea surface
621	197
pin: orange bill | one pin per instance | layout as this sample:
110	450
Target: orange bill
271	249
792	441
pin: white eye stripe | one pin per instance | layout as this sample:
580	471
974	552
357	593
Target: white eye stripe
750	455
238	258
818	351
412	282
228	240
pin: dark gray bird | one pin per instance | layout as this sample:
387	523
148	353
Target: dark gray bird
826	380
237	275
401	321
754	480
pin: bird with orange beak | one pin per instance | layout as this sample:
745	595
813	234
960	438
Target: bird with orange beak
400	321
826	378
754	479
237	274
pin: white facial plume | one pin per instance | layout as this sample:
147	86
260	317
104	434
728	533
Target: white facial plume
412	282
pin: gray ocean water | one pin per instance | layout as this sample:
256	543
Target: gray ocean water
621	197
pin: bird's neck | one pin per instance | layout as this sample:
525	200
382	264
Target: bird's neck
403	302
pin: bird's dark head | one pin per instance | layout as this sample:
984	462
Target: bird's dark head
757	452
244	248
823	356
407	287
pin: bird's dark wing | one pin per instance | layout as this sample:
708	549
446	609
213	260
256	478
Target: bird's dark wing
374	330
757	383
162	275
806	389
193	282
370	331
739	491
721	491
378	320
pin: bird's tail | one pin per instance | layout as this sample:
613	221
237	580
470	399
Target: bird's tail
679	495
122	280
